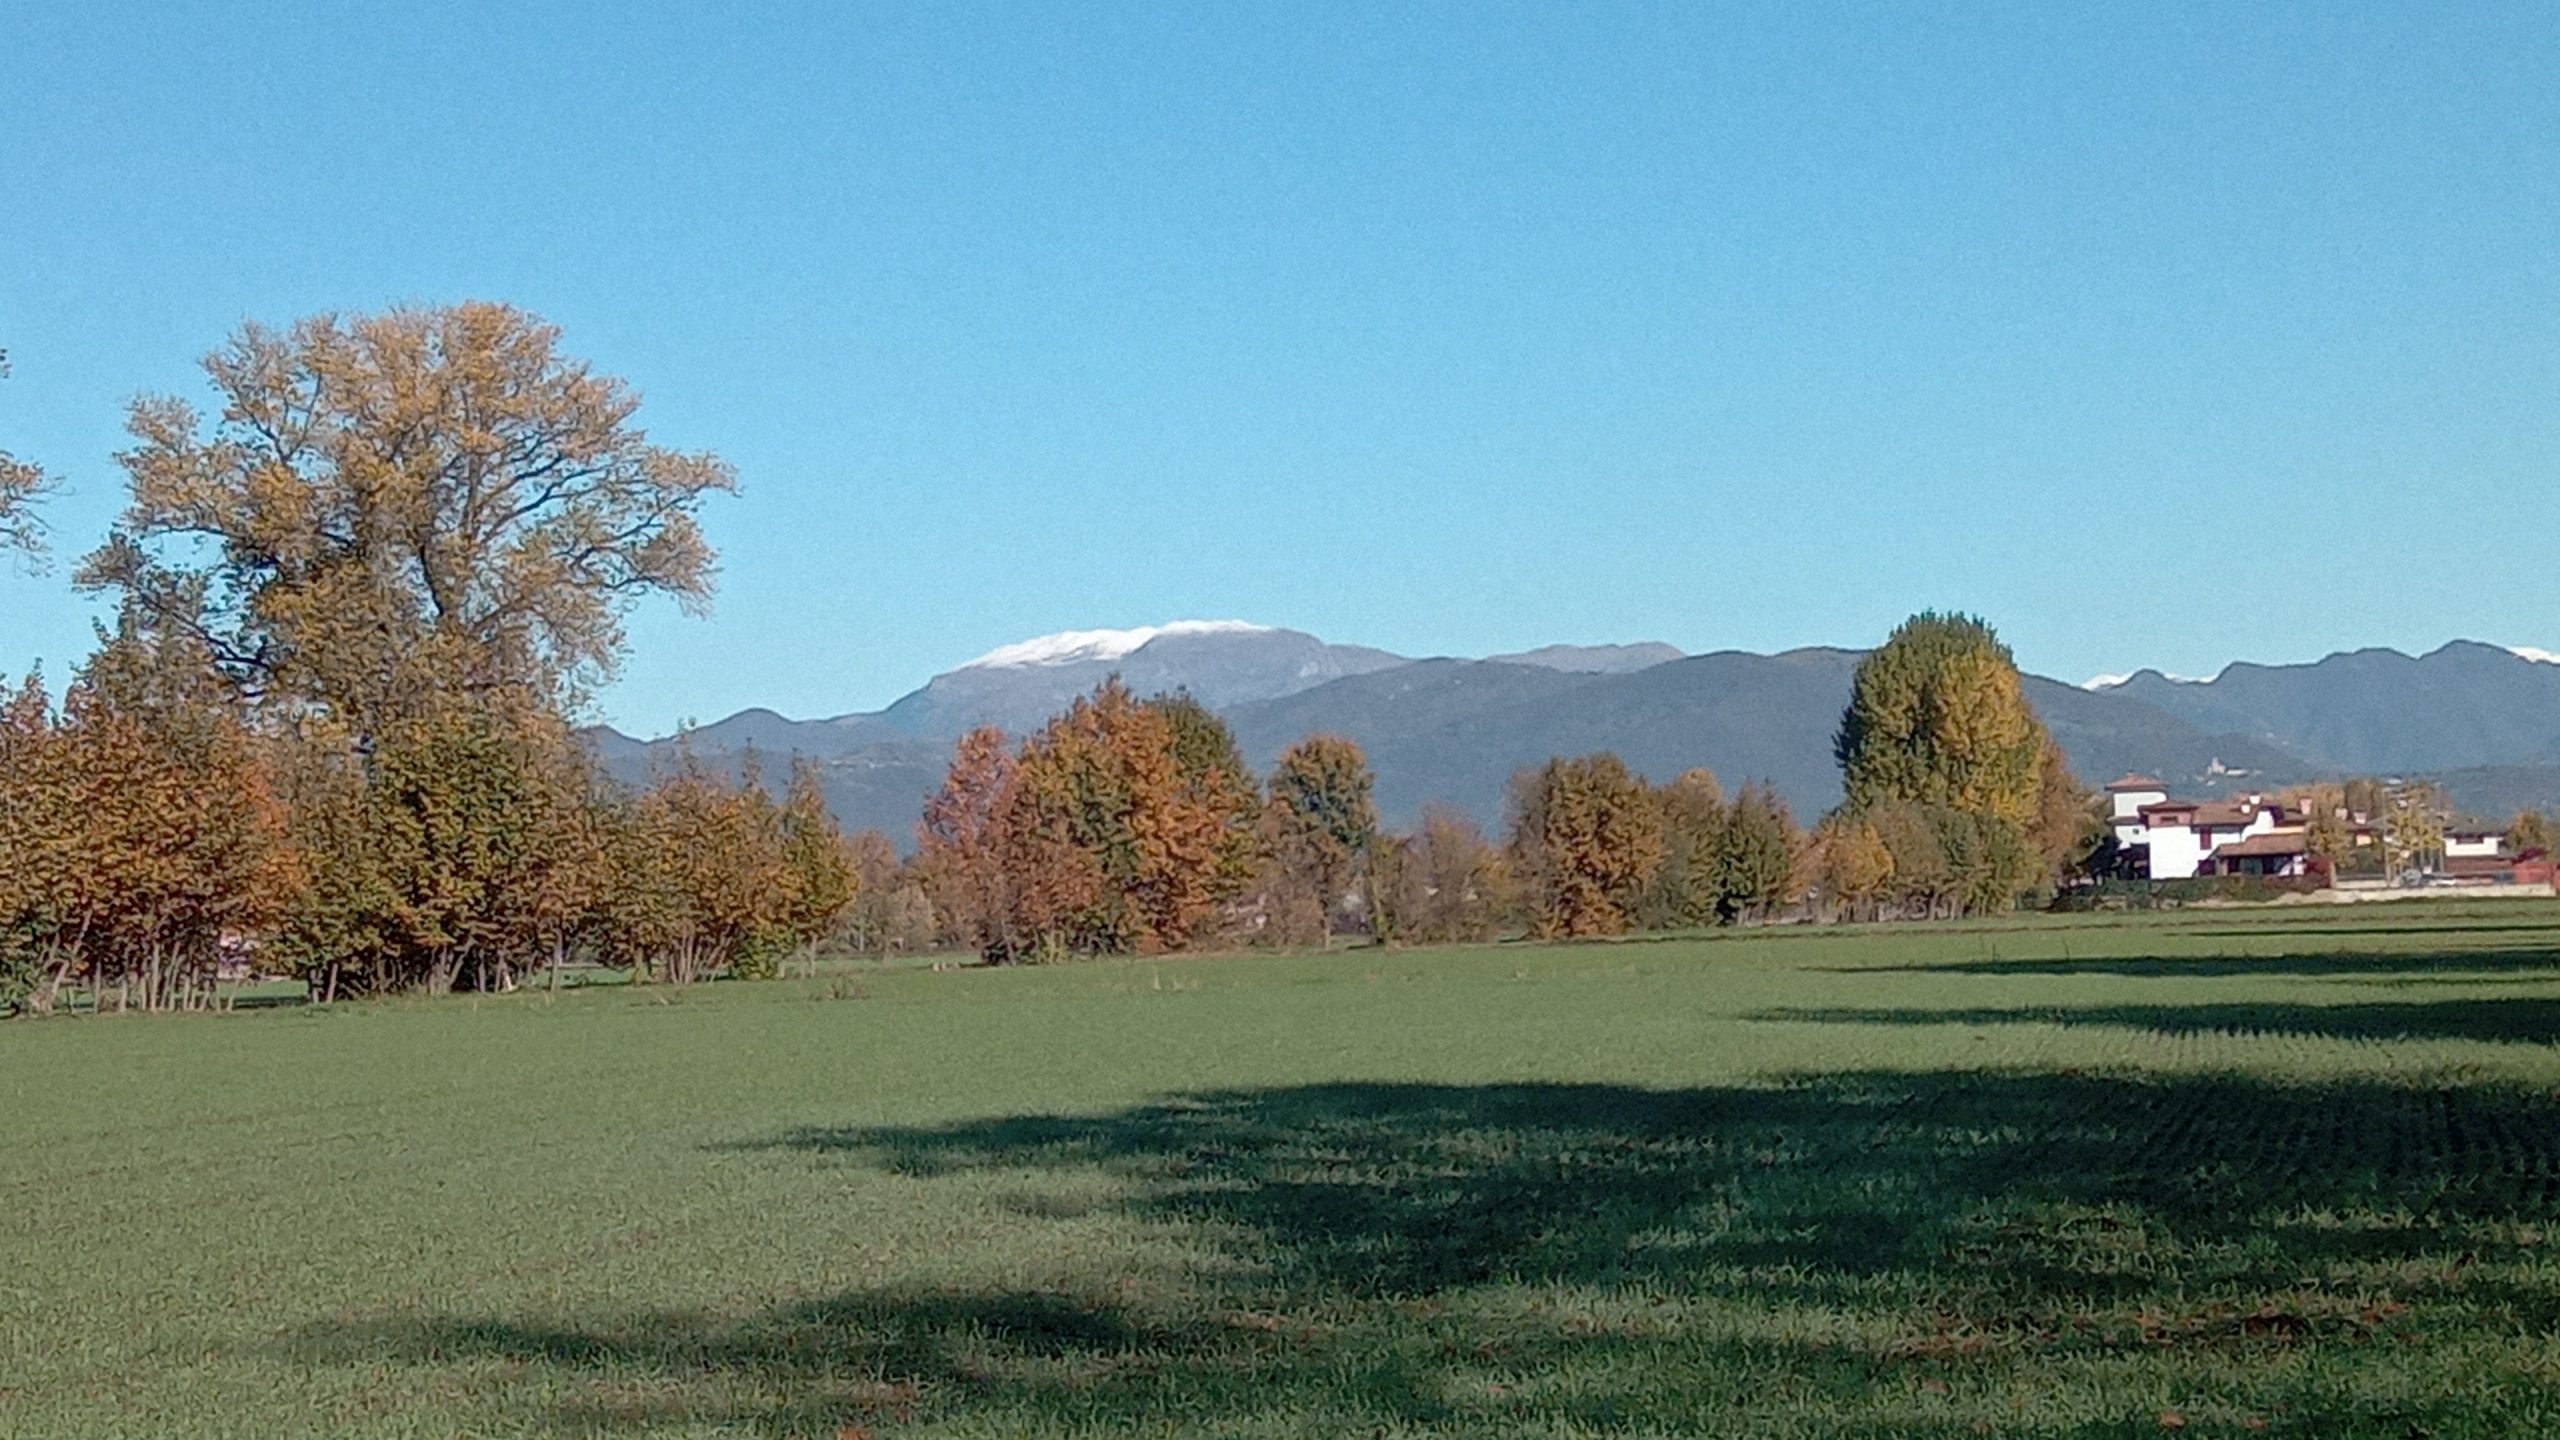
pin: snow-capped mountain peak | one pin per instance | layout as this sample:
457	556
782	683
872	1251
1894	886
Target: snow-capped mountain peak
1068	647
2535	653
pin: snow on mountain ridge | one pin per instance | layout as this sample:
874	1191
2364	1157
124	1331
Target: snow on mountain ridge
1068	647
2110	682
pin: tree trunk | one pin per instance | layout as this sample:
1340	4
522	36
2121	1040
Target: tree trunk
41	1002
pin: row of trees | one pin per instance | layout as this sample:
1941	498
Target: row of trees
2369	826
326	734
157	843
1133	825
1128	825
1957	801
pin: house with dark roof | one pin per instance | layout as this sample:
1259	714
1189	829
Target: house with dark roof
2274	852
2167	839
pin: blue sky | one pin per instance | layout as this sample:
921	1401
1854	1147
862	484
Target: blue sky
2159	334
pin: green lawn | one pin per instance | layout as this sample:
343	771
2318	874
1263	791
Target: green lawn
2251	1174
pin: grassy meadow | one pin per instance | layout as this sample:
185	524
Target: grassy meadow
2226	1173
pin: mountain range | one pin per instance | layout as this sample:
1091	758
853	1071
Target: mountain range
2483	719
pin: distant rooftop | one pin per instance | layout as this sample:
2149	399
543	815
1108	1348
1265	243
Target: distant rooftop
2280	842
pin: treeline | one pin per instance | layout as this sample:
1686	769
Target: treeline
1132	826
157	848
326	734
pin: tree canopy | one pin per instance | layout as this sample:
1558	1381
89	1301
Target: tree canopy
1938	722
1937	716
418	502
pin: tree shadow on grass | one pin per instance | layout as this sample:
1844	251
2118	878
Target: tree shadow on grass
1854	1254
2523	960
2379	925
2530	1020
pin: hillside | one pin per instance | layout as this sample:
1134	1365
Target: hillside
1455	730
2378	711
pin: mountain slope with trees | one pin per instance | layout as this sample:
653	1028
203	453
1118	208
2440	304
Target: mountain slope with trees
1454	731
2377	711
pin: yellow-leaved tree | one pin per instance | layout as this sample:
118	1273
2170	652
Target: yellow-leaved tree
1938	721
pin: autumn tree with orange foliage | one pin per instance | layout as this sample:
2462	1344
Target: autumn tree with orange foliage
400	552
1586	840
1443	884
701	878
1120	827
146	841
42	887
962	849
1117	850
402	508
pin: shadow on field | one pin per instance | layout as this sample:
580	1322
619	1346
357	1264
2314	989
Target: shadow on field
2529	1020
1856	1254
2380	925
2346	964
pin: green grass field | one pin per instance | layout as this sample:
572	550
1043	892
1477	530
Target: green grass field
2262	1174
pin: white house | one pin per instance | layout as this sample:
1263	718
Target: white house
2473	844
2178	839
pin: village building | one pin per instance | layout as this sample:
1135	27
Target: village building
2159	838
2473	845
2165	839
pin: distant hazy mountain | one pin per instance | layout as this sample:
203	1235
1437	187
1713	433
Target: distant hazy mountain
2484	720
879	767
2378	711
1455	730
1221	662
1597	659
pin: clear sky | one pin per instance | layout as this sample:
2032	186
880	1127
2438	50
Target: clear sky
2159	334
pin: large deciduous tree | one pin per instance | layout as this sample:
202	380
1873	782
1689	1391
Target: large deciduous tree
1937	716
1319	822
1442	884
1120	849
1112	829
1938	719
1215	774
1756	855
415	503
1586	840
961	845
1684	890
